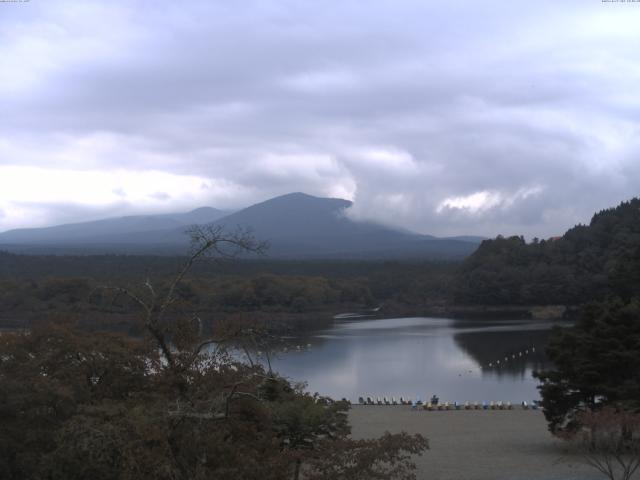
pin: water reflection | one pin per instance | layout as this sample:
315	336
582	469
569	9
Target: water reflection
507	352
419	356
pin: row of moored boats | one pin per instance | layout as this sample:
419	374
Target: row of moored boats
492	405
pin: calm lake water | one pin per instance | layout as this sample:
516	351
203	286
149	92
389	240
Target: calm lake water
457	360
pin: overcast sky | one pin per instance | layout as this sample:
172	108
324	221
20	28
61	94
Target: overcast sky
458	117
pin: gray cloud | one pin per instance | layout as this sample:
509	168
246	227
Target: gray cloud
478	117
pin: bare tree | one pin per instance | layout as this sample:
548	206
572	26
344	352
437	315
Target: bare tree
609	441
206	415
206	241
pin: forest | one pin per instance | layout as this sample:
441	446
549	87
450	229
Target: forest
588	262
31	287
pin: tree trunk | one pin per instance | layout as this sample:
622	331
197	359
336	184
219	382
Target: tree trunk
296	473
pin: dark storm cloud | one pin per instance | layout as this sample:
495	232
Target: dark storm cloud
476	117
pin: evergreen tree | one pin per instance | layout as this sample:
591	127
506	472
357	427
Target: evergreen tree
597	363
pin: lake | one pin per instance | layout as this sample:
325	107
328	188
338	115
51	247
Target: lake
454	359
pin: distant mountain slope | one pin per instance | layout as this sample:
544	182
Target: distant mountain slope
300	225
295	226
588	262
109	228
468	238
297	223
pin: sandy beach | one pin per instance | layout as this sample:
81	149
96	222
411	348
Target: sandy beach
477	444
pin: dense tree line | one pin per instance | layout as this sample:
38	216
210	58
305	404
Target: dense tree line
589	262
35	286
103	268
262	292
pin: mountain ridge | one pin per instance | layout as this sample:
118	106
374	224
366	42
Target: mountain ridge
296	225
112	225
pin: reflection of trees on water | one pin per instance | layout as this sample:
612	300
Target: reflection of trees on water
493	346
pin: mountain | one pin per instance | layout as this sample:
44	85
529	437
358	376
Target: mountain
300	225
295	225
110	228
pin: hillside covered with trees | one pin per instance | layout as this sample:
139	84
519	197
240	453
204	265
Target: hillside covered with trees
588	262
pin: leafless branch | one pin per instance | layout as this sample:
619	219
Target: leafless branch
205	240
609	441
128	293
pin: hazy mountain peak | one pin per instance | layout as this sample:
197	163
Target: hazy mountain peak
203	210
200	215
307	200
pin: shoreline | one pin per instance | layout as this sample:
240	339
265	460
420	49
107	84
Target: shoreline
476	444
